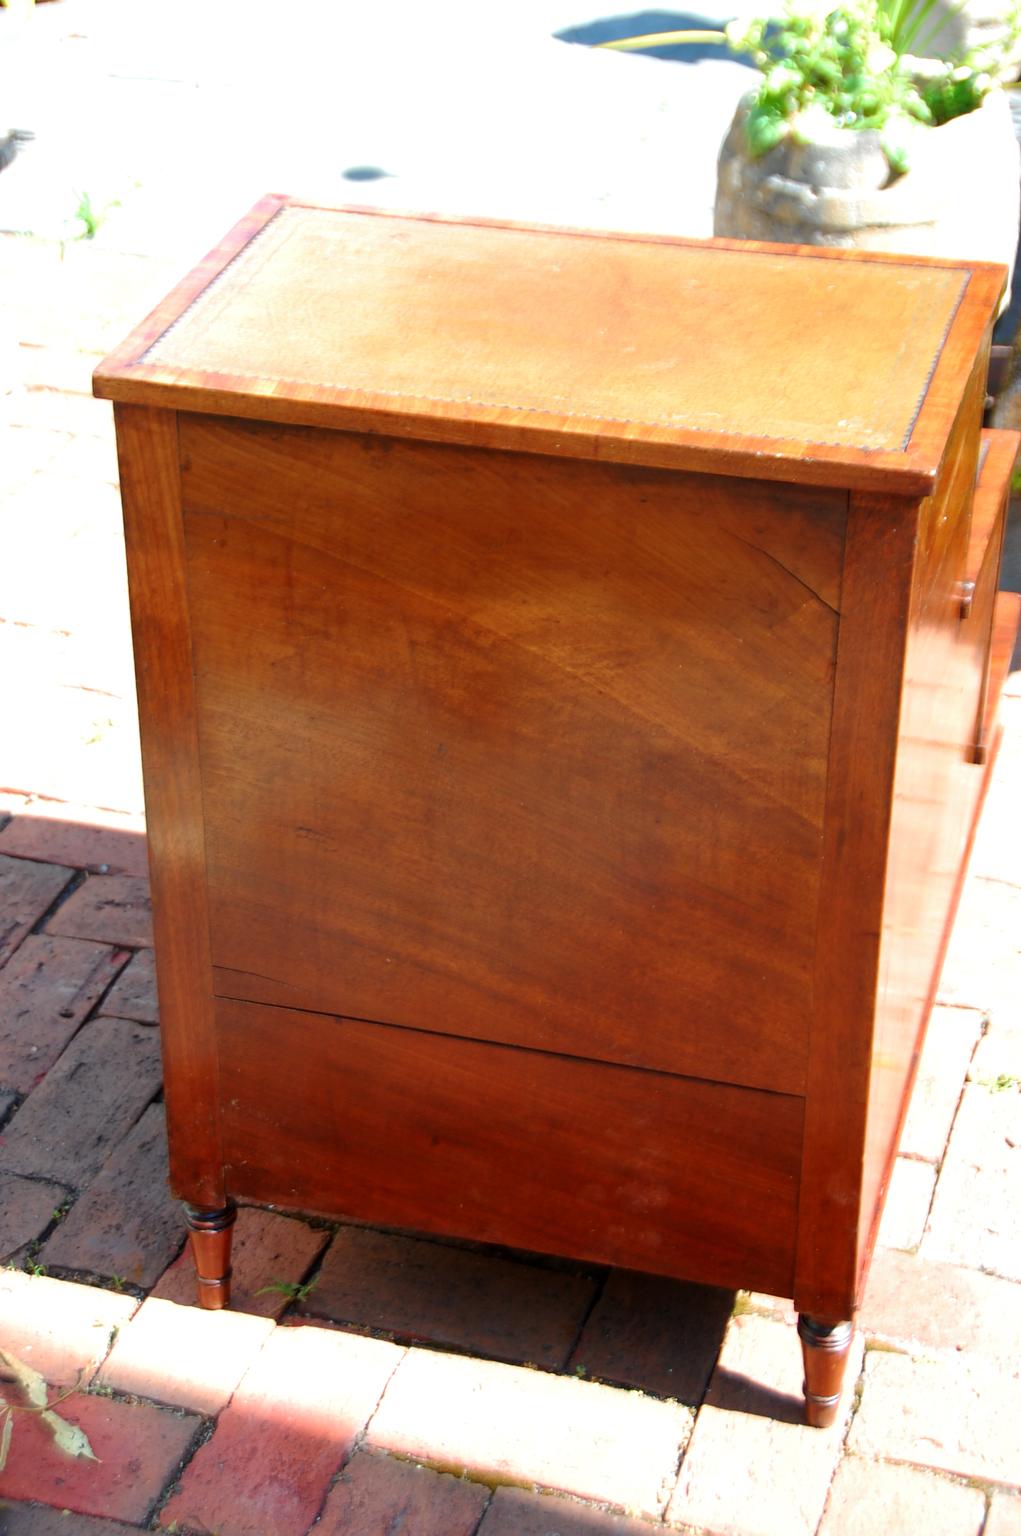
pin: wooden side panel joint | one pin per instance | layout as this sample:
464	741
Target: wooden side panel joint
151	495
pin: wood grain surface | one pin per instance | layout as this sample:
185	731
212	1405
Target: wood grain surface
573	344
536	750
518	1147
154	540
982	571
560	715
901	801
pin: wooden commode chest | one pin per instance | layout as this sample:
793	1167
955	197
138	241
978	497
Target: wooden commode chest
565	665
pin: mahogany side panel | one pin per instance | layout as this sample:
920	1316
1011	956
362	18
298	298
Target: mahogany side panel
536	750
154	539
901	799
936	795
878	564
538	1151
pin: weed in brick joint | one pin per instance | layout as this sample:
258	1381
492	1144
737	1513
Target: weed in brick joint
293	1289
61	1210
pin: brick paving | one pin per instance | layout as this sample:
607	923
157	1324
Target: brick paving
370	1383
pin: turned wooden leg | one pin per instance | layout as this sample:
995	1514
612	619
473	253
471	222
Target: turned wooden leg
211	1232
824	1347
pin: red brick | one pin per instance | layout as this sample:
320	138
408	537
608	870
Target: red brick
138	1450
46	989
753	1467
40	1520
183	1356
60	1329
125	1225
134	993
976	1215
26	1210
912	1300
868	1496
501	1423
289	1426
96	1091
114	908
27	889
907	1204
103	842
1004	1516
375	1495
479	1301
954	1413
516	1512
267	1250
661	1336
949	1046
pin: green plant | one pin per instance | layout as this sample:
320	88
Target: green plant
821	72
1001	1083
850	67
290	1288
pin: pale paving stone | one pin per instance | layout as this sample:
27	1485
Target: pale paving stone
907	1204
1004	1516
910	1300
504	1423
867	1497
61	1330
999	1050
996	854
519	1512
976	1215
954	1413
983	964
184	1356
949	1046
754	1468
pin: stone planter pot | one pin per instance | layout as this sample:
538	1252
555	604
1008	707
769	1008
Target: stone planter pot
959	199
956	28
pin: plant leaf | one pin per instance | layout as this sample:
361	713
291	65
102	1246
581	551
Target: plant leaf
663	40
68	1437
30	1382
5	1438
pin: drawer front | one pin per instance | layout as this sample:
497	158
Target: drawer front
608	1164
513	748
